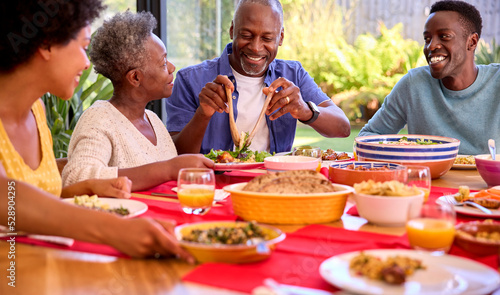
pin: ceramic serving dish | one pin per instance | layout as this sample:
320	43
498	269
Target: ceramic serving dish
439	156
349	173
229	253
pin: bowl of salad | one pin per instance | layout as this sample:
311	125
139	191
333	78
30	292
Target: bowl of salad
436	152
228	241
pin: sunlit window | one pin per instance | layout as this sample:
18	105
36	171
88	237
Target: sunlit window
197	29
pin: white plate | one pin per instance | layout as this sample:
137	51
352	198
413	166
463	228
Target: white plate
471	211
463	166
445	274
237	166
134	207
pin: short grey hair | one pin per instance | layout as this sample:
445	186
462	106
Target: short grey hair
118	46
275	4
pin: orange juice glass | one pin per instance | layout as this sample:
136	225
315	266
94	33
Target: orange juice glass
195	190
433	229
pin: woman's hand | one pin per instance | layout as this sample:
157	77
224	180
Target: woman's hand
187	161
147	238
115	187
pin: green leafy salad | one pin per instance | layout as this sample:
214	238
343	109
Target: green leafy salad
243	156
404	141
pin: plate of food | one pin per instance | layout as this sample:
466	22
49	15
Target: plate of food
488	198
464	162
328	155
124	207
374	272
237	160
237	166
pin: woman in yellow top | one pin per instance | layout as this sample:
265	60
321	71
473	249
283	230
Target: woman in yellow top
46	175
43	53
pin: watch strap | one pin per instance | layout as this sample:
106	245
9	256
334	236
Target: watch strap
314	110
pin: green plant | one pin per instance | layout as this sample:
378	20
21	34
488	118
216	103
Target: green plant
62	115
361	72
487	54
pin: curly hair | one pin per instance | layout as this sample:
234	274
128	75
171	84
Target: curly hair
30	24
470	18
119	45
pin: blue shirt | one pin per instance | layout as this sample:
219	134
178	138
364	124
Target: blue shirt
471	115
184	101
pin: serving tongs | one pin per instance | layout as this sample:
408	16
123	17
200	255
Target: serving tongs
239	140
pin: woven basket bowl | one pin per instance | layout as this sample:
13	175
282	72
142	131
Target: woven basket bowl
290	208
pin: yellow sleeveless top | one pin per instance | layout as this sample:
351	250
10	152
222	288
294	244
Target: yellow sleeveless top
46	176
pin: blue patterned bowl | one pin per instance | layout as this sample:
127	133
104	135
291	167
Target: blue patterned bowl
439	156
341	173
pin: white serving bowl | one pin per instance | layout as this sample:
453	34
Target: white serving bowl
388	211
438	157
286	163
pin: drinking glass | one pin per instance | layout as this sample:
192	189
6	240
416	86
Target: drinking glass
419	176
195	190
432	228
354	151
309	151
306	150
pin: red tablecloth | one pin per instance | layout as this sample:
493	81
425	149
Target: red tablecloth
297	259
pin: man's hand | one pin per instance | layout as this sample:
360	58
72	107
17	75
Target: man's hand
213	96
287	100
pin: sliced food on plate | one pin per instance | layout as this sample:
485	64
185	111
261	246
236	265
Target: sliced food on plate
489	198
392	270
423	273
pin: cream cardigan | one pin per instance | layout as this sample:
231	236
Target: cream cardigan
104	140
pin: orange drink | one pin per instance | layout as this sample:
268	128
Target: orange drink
427	192
354	151
195	190
433	229
192	199
430	234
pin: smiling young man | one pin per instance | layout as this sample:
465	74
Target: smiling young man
198	117
452	96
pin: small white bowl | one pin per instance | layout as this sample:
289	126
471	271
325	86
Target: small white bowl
286	163
388	211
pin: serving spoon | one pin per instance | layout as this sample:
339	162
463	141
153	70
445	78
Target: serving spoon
493	149
241	141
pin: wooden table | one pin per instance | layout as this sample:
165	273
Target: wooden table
41	270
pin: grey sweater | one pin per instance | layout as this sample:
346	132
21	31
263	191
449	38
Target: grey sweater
471	115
